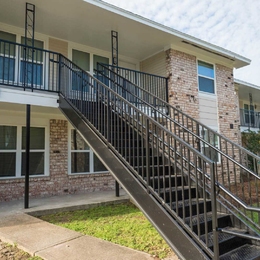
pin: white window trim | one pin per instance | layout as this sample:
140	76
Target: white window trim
91	158
19	34
90	50
19	151
214	79
214	128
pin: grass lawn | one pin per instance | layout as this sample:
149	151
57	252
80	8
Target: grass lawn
123	224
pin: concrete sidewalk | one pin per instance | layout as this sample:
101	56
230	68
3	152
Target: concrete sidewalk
51	242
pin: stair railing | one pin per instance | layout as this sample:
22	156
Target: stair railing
238	183
56	73
186	122
107	112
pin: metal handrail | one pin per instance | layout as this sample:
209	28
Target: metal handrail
82	90
187	130
227	162
109	100
169	106
40	72
155	84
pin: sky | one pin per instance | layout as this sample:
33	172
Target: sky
231	24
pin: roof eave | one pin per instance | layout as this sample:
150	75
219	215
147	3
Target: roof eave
238	60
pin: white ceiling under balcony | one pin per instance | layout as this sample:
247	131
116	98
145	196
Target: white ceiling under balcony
90	23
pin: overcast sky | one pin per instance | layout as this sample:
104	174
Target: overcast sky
231	24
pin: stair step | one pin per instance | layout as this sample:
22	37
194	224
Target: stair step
191	207
227	242
138	161
156	169
166	181
247	251
134	151
224	220
127	142
166	194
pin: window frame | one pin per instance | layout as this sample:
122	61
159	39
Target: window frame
4	56
19	151
206	77
203	145
34	63
91	158
17	62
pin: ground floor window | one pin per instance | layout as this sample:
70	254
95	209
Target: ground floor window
213	139
12	151
82	158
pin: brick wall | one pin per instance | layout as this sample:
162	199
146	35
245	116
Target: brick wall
183	85
58	182
228	104
229	120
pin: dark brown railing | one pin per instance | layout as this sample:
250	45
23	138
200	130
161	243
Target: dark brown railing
236	168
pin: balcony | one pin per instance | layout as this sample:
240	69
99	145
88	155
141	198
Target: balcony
249	118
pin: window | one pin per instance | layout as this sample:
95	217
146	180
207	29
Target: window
83	160
249	114
211	138
32	66
8	147
7	56
37	150
12	151
82	60
206	77
99	59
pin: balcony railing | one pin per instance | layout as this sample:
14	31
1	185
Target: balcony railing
28	68
249	118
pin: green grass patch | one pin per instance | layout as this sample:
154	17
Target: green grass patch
123	224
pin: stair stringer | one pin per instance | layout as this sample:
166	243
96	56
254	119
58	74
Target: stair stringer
169	229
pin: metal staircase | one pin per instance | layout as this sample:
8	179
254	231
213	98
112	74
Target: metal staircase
204	209
174	184
236	168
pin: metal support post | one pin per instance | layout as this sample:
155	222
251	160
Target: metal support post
28	71
27	152
114	43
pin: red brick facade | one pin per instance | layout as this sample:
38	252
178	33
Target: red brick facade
58	182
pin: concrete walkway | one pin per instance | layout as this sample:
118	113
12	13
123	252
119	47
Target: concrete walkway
51	242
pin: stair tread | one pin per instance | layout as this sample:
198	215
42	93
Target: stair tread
155	165
187	202
222	237
179	188
246	251
201	218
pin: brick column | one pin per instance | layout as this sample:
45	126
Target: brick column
59	155
228	104
181	68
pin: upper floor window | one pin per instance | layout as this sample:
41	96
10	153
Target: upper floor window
81	59
7	56
206	77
